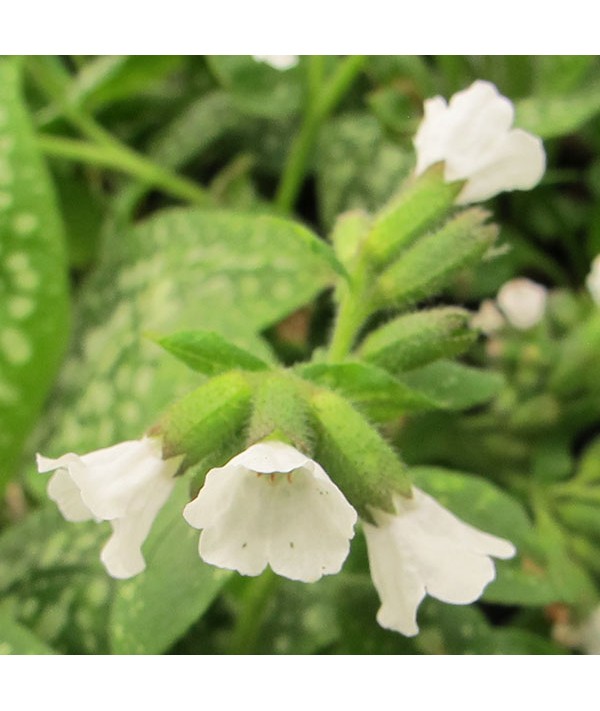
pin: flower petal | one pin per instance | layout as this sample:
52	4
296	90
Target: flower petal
396	579
122	554
65	493
516	161
294	519
269	457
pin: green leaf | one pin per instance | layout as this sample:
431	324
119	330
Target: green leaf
195	129
415	339
151	611
559	74
258	88
522	582
33	274
516	641
106	79
17	639
369	179
209	353
558	115
50	572
454	386
372	390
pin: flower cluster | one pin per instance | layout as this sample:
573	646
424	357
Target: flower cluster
272	505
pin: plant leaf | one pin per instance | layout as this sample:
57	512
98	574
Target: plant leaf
33	275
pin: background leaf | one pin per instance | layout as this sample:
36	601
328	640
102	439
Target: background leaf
33	278
152	610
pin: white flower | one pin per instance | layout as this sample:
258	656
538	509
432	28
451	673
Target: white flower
473	136
488	319
593	280
272	505
126	484
523	302
426	549
277	61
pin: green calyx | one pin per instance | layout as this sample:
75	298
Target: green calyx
280	412
422	202
211	418
415	339
434	260
356	457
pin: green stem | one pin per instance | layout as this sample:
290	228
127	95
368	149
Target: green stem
112	155
249	621
318	111
354	307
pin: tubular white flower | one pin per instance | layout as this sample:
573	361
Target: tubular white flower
272	505
425	549
126	484
278	61
473	136
523	302
593	280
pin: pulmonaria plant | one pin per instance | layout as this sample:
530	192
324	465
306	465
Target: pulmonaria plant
473	136
272	505
126	484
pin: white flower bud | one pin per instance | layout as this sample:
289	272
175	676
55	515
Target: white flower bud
523	302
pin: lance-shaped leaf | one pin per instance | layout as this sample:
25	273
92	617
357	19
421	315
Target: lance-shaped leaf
423	202
552	116
209	353
432	262
371	389
416	339
356	457
33	274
